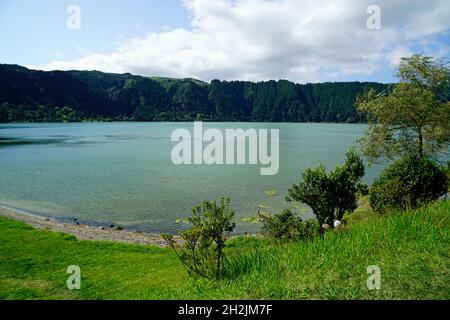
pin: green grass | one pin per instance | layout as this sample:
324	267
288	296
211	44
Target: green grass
412	249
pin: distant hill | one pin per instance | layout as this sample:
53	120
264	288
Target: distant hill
29	95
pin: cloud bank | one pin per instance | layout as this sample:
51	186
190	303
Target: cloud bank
298	40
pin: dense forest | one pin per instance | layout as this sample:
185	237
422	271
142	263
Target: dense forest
38	96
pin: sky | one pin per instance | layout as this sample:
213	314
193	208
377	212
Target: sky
298	40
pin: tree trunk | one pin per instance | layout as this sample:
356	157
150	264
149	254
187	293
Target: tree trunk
419	130
219	259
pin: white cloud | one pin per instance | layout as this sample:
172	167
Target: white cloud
303	41
397	53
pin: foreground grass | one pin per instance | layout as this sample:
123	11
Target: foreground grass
412	249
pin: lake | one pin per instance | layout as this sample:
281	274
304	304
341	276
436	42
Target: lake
122	173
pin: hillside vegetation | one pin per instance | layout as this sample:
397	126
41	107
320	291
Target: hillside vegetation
411	249
36	96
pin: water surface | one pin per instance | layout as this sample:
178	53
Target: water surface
121	173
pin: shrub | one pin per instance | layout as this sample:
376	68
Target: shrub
331	195
408	183
288	225
201	250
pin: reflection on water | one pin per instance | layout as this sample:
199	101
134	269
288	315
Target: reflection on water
6	141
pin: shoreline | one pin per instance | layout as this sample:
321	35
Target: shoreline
82	231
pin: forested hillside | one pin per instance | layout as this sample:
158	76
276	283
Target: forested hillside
28	95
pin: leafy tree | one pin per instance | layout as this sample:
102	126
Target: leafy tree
16	114
66	114
414	117
346	182
202	247
330	195
41	114
4	107
408	183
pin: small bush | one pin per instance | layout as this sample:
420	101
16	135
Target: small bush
202	248
331	195
288	225
408	183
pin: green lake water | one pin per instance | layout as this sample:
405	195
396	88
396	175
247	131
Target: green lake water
122	173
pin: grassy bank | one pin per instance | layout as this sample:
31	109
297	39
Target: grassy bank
412	249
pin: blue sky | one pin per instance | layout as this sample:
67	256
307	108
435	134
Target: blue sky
35	32
299	40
